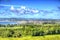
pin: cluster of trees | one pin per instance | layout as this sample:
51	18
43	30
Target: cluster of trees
8	25
29	29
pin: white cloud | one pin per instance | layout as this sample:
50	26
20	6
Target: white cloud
15	10
12	8
22	7
35	11
24	10
21	10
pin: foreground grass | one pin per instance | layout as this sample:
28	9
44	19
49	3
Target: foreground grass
47	37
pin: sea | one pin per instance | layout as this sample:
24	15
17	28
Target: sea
8	22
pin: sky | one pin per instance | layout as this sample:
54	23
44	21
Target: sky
47	9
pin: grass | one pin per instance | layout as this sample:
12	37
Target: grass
47	37
27	32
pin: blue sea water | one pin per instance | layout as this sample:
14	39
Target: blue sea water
8	23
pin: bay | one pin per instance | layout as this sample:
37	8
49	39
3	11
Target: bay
8	22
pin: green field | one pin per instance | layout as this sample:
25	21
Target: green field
30	32
47	37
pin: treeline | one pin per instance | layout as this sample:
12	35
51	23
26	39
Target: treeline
29	30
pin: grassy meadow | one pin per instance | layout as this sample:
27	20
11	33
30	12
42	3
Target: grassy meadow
30	32
47	37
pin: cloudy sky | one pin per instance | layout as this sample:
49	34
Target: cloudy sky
49	9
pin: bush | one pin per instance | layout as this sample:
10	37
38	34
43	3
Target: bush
38	33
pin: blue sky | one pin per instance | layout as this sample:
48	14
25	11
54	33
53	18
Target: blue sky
37	9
